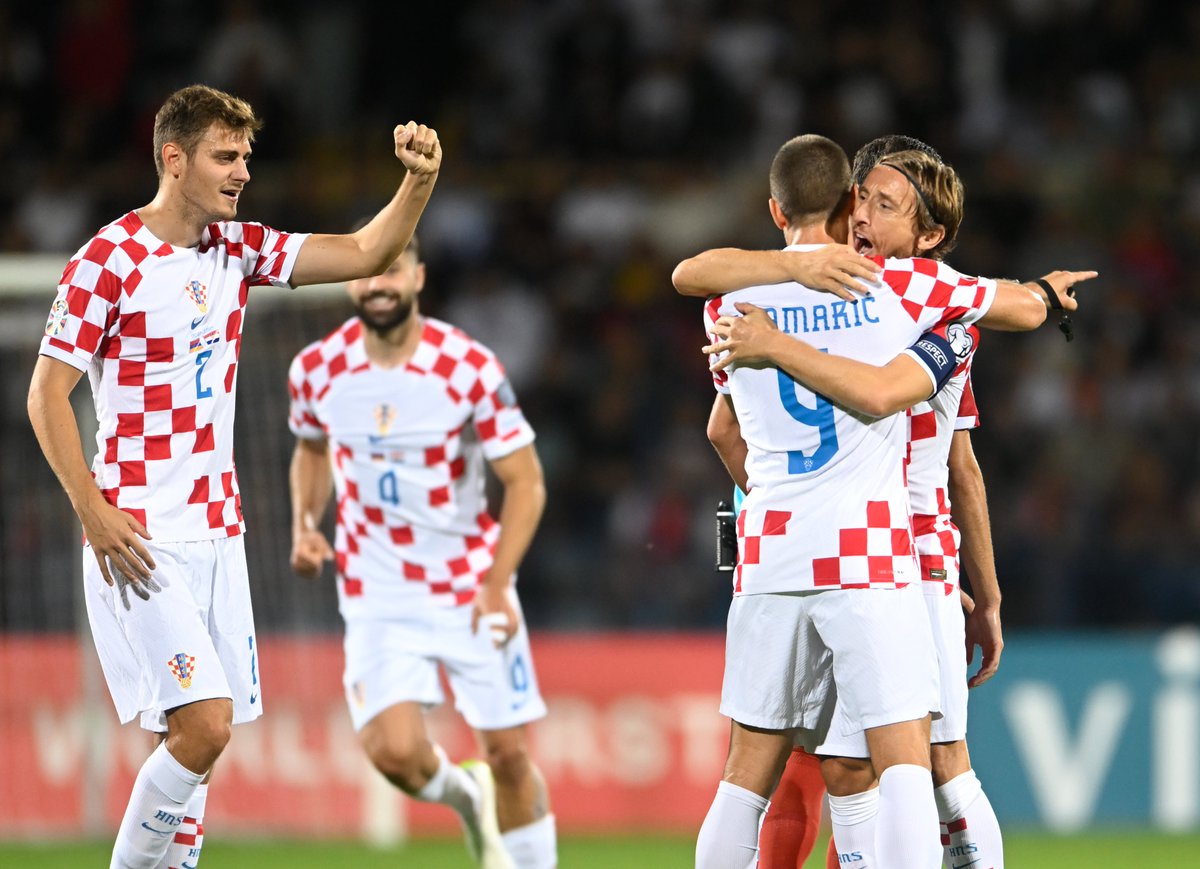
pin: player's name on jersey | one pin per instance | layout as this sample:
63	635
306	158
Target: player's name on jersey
824	317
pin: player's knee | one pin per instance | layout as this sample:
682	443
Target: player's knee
847	775
396	758
510	763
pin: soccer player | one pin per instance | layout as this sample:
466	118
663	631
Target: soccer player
400	411
826	547
888	221
151	308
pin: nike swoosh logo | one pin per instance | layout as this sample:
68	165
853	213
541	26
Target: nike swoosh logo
377	439
160	832
253	699
964	865
197	322
183	865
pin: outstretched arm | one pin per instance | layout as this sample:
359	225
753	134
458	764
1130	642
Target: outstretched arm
310	479
520	475
370	250
835	268
873	390
968	500
1021	307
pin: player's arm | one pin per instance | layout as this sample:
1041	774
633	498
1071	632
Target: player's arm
1021	307
310	481
370	250
524	499
835	268
968	499
873	390
112	533
725	434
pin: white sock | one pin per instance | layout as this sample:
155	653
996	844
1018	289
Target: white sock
729	836
853	820
904	829
161	793
969	826
451	786
533	846
189	838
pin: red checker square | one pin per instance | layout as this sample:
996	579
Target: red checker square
133	325
475	359
439	496
401	536
901	542
352	544
914	310
775	522
230	374
99	251
434	335
352	491
234	530
880	567
339	562
310	360
852	541
826	572
373	515
434	455
441	587
183	419
59	344
110	347
227	483
458	566
233	325
110	450
130	425
879	515
132	473
352	587
131	372
476	393
337	364
157	397
134	281
444	366
486	429
464	597
750	550
923	426
458	467
89	337
138	514
157	447
413	571
199	492
160	349
216	514
205	441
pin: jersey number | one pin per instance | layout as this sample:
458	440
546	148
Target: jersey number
819	417
202	358
388	490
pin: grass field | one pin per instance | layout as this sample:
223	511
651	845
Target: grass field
1125	850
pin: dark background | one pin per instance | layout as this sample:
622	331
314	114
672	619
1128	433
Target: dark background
590	146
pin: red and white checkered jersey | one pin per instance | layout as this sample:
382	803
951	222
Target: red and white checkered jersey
408	447
828	507
158	329
932	425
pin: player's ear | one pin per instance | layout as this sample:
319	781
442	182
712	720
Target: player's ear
173	158
929	239
777	214
419	277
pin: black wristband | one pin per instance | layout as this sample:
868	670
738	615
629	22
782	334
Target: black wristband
1064	319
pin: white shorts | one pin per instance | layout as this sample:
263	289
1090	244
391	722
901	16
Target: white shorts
831	661
390	661
950	641
194	640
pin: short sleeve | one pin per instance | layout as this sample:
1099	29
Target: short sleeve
712	312
968	411
268	255
499	422
85	308
934	294
302	413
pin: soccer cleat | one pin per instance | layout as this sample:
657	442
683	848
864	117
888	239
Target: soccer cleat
483	830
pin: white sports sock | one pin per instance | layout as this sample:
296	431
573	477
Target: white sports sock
533	846
853	820
904	829
729	836
970	830
451	786
184	850
155	812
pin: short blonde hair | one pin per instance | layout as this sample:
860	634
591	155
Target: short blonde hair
940	195
188	113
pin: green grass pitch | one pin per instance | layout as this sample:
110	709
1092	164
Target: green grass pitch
1100	850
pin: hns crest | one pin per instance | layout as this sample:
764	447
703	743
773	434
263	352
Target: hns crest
198	293
385	415
184	667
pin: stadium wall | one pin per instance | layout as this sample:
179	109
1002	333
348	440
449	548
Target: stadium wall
1079	730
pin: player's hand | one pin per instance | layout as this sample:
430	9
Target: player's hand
116	539
310	551
983	630
418	148
745	339
494	611
142	588
833	268
1064	283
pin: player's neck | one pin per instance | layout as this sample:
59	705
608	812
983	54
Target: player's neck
396	346
170	219
811	233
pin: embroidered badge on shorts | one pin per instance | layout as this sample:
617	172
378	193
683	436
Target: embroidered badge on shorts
184	667
57	320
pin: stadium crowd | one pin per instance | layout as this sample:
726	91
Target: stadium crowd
589	146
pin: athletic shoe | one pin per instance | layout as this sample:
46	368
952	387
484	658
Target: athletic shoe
483	831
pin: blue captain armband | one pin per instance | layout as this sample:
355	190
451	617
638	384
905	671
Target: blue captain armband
935	353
